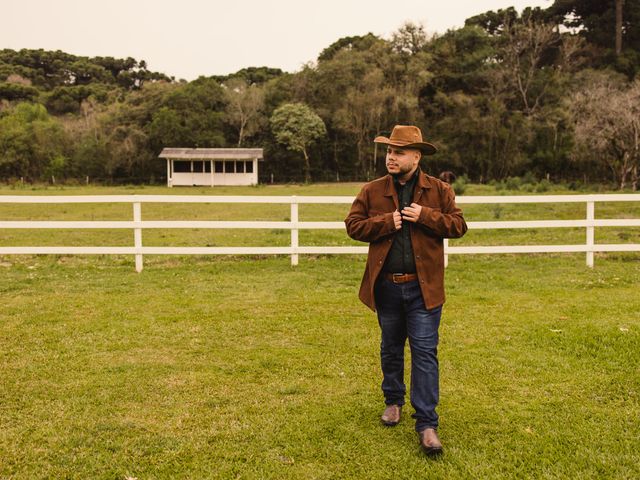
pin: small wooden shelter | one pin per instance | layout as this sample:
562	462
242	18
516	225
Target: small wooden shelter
211	166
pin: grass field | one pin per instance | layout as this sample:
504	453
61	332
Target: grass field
247	367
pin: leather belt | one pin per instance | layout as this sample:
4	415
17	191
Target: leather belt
400	277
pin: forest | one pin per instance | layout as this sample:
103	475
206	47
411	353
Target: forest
544	94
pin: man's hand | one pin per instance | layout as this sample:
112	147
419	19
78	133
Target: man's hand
411	213
397	219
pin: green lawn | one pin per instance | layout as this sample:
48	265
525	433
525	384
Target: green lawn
247	367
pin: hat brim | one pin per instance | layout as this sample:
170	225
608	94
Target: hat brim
425	147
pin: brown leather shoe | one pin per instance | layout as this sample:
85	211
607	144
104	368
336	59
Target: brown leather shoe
430	442
391	415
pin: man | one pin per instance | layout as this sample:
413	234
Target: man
404	216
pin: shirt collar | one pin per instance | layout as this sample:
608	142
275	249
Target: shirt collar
409	182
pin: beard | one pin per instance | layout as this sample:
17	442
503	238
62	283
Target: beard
402	171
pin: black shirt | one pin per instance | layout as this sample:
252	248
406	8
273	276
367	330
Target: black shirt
400	258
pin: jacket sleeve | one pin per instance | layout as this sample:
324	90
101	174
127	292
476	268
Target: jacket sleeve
365	228
446	222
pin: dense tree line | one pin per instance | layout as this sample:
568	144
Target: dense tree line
544	93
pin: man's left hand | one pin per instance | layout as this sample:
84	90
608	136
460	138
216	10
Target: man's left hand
411	213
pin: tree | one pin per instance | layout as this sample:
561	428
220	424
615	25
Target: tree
130	155
408	41
167	129
251	75
532	57
245	102
362	114
297	126
189	115
606	113
362	85
30	142
476	102
50	69
522	56
361	43
15	91
619	4
611	26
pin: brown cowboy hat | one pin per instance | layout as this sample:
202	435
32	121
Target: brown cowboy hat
407	136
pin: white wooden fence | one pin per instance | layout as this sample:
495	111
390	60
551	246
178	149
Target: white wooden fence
294	225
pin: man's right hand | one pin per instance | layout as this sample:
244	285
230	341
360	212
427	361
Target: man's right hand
397	219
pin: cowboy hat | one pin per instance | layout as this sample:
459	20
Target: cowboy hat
407	136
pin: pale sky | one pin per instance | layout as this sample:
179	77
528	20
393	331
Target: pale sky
189	38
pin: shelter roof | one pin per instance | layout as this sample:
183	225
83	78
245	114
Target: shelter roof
211	153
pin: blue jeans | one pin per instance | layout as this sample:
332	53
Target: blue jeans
402	314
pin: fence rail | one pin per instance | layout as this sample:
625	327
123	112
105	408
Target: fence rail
294	225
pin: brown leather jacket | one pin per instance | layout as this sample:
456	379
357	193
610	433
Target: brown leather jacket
371	220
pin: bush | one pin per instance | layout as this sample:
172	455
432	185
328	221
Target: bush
529	178
575	186
460	185
543	186
513	183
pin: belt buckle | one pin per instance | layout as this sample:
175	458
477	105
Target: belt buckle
397	275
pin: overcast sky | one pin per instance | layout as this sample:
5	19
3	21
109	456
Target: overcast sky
188	38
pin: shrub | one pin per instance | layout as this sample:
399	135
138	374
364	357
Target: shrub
543	186
529	178
460	185
500	185
513	183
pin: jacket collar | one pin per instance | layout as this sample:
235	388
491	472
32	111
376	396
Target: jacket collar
422	181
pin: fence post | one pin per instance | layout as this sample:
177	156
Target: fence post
137	234
590	233
294	231
446	257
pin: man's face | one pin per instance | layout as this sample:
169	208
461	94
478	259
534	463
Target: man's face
401	161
